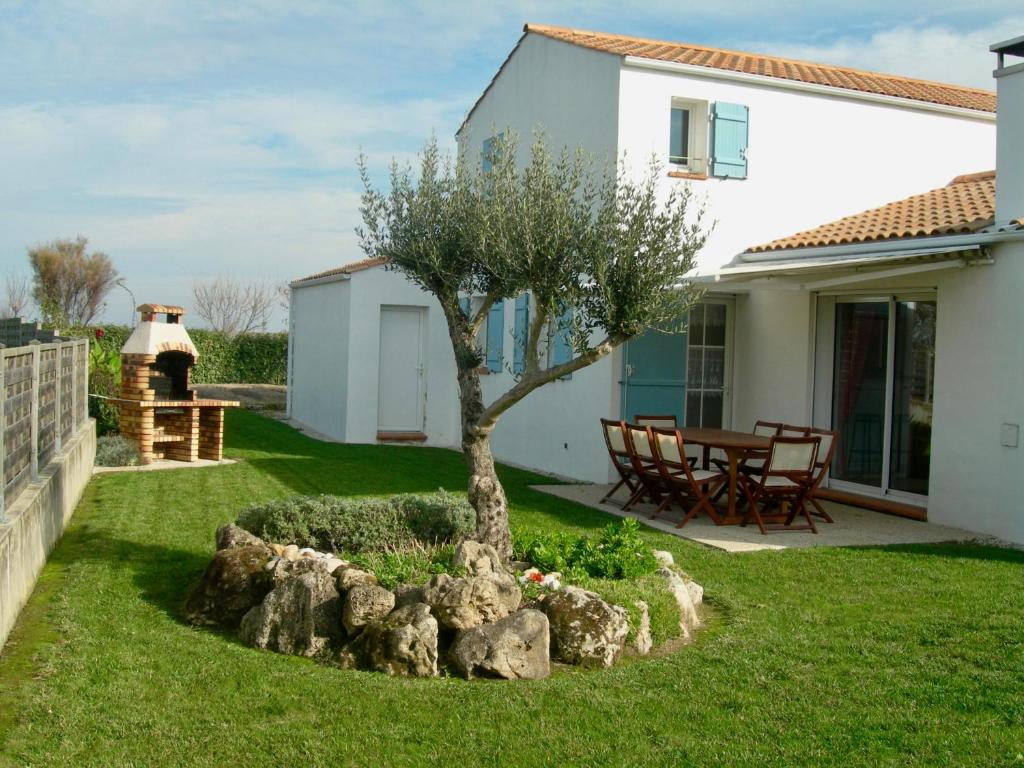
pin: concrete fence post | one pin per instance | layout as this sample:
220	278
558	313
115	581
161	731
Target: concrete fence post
58	378
84	383
34	434
3	432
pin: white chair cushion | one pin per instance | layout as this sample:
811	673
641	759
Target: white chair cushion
780	482
669	448
641	443
703	474
615	439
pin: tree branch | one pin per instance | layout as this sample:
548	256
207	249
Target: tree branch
489	418
481	314
533	342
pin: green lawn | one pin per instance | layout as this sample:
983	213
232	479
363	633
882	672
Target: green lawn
899	656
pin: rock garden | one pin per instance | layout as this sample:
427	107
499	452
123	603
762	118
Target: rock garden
397	586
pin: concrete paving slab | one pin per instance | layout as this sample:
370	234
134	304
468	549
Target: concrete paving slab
853	527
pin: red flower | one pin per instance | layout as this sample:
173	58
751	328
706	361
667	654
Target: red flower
100	333
536	576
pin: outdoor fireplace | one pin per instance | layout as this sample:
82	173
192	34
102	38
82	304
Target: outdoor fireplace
159	409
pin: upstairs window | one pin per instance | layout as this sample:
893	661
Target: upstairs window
679	143
709	139
688	136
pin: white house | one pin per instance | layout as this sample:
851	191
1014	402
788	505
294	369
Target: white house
903	324
774	146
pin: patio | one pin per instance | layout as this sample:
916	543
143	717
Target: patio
853	527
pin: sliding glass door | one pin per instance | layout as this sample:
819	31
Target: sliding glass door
882	384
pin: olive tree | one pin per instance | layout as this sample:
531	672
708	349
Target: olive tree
601	256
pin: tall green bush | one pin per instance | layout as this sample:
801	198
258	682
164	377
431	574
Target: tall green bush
252	358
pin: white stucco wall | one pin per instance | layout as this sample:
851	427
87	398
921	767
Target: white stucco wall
569	92
772	358
572	94
813	158
319	333
979	367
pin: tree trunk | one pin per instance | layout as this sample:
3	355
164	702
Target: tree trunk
487	496
485	493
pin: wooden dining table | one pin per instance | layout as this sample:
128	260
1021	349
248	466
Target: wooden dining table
736	446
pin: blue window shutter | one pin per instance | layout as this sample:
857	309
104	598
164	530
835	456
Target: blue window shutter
561	344
729	133
495	335
522	330
464	305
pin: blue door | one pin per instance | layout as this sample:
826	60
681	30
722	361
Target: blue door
654	375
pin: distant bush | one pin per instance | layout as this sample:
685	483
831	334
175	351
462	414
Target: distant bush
360	525
620	553
252	358
116	451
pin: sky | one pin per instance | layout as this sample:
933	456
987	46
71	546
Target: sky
190	140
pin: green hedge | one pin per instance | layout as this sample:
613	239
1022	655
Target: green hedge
253	358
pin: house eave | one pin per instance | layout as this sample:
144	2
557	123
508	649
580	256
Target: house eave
795	85
879	247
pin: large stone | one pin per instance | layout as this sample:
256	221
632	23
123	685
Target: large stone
514	648
468	602
688	595
301	617
229	535
478	559
234	582
585	630
349	577
664	558
365	603
403	644
407	594
643	641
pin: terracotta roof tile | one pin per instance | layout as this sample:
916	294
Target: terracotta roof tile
965	205
347	269
775	67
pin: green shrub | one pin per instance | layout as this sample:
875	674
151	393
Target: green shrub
437	516
620	553
105	383
252	358
116	451
360	525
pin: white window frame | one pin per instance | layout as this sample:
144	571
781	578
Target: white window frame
698	138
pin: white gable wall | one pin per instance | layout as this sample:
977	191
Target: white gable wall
813	158
319	333
570	92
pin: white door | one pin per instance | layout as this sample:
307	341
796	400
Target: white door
401	395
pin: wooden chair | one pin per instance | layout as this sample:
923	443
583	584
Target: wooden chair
788	430
645	466
680	479
666	421
615	442
826	451
786	477
754	460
